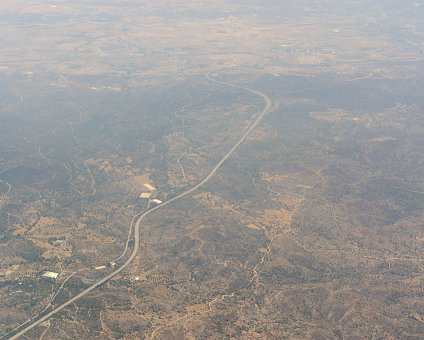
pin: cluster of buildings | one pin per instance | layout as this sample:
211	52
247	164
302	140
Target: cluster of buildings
148	195
145	195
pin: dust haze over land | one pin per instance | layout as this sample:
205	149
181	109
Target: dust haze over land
311	229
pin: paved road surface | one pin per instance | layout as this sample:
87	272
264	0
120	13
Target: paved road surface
265	110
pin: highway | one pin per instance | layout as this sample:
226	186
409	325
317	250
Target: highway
265	110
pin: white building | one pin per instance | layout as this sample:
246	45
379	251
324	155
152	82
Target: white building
51	275
148	186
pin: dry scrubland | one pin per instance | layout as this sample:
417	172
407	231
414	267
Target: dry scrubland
312	230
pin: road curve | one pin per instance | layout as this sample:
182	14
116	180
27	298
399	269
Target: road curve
136	248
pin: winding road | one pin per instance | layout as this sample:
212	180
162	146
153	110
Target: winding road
265	110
